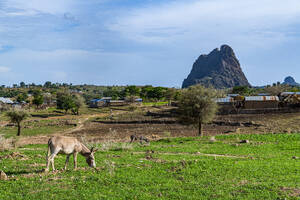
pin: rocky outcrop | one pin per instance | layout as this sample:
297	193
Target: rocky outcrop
290	81
220	69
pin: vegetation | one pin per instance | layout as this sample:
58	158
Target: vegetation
79	103
17	116
197	105
38	98
178	168
65	101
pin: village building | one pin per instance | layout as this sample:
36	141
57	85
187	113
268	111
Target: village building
261	102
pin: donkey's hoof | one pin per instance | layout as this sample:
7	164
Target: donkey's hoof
45	170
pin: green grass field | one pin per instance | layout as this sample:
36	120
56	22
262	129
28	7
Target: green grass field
176	168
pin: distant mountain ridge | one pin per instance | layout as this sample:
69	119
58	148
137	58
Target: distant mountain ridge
220	69
290	81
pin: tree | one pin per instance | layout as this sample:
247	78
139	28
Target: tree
131	91
47	84
277	89
112	92
79	103
22	97
17	116
150	92
48	99
22	84
242	90
64	101
38	98
197	105
170	95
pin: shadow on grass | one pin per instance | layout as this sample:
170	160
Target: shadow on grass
24	172
46	115
137	122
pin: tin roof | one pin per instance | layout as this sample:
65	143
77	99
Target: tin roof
96	100
286	93
233	95
263	94
6	100
224	100
262	98
289	93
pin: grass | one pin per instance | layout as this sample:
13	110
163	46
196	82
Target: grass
38	127
46	121
172	168
160	103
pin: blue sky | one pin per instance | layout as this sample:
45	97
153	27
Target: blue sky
125	42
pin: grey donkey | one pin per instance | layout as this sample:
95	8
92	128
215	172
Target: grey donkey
68	146
140	138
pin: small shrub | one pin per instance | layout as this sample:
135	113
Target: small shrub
110	167
167	133
6	144
132	108
112	146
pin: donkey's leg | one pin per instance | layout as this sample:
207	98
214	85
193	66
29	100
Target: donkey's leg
52	161
67	161
75	160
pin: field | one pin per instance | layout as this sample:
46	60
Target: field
175	165
177	168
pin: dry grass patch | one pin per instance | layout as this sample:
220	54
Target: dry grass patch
112	146
6	143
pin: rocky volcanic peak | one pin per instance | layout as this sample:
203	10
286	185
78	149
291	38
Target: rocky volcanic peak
220	69
290	81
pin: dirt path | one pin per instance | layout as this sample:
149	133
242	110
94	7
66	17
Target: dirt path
195	154
43	139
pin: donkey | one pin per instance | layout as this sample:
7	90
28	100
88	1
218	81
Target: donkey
140	138
68	146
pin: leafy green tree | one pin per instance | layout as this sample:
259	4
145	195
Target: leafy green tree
112	92
145	90
131	91
38	98
156	93
242	90
22	97
17	116
65	101
47	84
22	84
197	105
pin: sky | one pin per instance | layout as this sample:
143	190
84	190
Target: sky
144	42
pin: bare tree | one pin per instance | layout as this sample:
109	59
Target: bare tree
17	116
197	105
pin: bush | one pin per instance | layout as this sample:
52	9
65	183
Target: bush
6	144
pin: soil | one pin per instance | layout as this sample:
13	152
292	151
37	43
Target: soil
157	125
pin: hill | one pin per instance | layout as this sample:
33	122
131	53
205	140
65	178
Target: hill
220	69
290	81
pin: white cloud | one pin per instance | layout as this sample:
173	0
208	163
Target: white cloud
4	69
44	6
209	19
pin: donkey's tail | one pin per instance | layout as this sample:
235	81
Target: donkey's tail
49	150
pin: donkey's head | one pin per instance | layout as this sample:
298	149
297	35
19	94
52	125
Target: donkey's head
90	159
